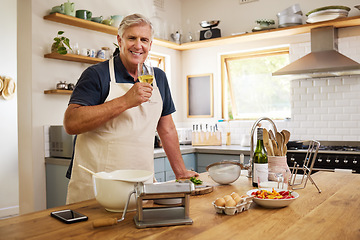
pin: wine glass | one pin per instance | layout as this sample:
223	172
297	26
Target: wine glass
146	74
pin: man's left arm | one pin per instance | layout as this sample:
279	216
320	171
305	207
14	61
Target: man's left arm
170	141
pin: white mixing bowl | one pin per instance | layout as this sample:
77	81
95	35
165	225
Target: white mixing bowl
112	189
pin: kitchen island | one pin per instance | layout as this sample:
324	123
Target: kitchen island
332	214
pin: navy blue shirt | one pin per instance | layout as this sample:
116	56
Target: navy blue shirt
93	86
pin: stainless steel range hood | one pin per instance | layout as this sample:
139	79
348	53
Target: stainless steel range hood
324	59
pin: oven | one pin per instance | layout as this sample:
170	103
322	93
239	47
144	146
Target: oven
331	156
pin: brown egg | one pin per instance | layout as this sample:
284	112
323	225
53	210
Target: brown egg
234	195
230	203
227	197
220	202
238	199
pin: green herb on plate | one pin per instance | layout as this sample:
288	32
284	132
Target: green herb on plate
196	181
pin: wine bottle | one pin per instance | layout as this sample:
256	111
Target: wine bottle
260	161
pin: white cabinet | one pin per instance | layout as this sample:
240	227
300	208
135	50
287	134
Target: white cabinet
56	181
163	171
159	169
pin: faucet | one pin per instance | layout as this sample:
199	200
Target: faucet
252	141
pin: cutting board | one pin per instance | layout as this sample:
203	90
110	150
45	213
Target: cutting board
203	189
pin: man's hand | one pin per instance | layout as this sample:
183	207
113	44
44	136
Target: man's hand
187	175
138	94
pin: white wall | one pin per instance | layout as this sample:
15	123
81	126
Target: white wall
9	184
36	74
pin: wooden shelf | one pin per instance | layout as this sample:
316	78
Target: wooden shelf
273	33
266	34
78	22
58	91
74	58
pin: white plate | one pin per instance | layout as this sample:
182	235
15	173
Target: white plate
324	18
273	203
326	15
329	11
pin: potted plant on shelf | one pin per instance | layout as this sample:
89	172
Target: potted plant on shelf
59	45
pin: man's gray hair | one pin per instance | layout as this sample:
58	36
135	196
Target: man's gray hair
134	19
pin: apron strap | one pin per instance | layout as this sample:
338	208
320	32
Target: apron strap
111	70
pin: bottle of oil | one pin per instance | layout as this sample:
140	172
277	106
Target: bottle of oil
260	161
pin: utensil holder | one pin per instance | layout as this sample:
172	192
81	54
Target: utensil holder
278	165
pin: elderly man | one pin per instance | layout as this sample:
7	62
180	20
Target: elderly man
109	113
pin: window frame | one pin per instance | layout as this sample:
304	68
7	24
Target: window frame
226	80
159	59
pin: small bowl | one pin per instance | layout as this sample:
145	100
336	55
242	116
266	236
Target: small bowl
273	203
107	21
97	19
209	24
224	172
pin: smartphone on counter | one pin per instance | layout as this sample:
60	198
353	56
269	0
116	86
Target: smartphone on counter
69	216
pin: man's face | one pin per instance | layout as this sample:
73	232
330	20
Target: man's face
135	44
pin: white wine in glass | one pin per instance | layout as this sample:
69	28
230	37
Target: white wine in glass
146	74
146	78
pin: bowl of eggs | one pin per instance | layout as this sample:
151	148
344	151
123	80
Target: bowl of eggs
232	203
224	172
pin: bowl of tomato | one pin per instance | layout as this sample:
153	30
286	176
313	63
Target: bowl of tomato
273	198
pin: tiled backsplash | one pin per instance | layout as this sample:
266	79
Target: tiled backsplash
326	108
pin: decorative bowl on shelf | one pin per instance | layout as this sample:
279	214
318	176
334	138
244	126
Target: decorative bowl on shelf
209	24
97	19
107	21
265	24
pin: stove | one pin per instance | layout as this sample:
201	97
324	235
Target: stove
340	148
331	155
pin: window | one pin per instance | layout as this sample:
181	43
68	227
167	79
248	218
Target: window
250	91
157	61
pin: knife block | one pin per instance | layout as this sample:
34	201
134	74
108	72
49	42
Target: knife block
206	139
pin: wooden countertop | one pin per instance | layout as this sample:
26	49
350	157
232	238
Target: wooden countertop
332	214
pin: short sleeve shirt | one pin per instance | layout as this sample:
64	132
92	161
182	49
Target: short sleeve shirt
93	85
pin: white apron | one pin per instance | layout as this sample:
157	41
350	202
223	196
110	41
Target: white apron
125	142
